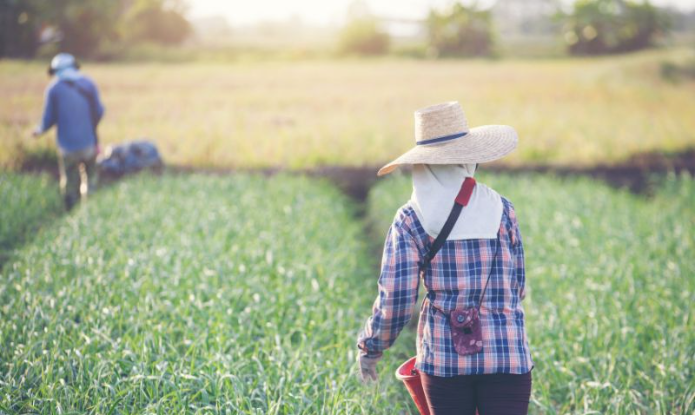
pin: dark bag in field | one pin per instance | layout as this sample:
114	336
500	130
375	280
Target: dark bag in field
129	158
466	330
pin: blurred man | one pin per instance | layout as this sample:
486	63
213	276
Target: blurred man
73	105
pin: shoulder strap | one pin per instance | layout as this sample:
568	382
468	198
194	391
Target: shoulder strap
91	101
462	199
492	268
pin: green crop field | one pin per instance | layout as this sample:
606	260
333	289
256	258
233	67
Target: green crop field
27	202
192	294
243	294
354	112
610	313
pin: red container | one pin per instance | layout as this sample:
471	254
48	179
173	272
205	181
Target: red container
410	376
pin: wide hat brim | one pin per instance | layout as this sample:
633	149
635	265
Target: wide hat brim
480	145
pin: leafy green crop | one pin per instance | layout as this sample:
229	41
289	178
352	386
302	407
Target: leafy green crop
27	201
193	294
198	294
610	310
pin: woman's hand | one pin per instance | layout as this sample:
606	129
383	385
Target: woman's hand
367	367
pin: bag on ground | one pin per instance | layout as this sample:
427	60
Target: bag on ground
130	157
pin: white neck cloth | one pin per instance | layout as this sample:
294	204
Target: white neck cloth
434	189
68	74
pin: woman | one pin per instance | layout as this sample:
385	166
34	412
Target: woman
472	351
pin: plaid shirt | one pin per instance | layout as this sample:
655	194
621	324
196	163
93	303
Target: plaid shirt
455	279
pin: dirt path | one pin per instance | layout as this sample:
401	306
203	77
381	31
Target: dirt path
634	174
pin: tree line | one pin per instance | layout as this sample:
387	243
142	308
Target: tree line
106	29
590	27
94	28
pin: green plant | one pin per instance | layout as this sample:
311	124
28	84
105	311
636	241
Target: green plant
27	202
194	294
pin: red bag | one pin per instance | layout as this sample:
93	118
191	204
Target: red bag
466	331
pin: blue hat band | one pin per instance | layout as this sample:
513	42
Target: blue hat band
440	139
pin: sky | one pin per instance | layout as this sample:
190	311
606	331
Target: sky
327	12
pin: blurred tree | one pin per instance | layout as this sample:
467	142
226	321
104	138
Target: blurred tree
461	31
681	21
156	21
612	26
362	34
18	25
84	27
363	37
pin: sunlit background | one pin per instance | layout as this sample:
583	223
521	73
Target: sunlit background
318	12
274	83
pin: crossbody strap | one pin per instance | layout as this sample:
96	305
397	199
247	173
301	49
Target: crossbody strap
91	101
462	199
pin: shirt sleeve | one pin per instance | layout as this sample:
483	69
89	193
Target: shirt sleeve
398	291
49	110
518	253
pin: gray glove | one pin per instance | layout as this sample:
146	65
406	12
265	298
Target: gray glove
367	367
37	132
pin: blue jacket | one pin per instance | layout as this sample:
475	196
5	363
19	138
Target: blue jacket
69	109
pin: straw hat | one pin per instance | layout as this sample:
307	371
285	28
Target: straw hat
442	136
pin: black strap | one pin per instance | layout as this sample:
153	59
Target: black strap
492	267
441	239
93	107
462	199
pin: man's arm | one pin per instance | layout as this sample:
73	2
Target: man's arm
49	113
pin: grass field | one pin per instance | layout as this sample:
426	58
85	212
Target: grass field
200	294
609	312
307	113
147	300
27	203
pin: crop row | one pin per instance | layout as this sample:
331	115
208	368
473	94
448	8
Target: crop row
197	294
27	202
192	294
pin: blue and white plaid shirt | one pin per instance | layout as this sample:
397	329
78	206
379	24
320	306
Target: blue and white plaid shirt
455	280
